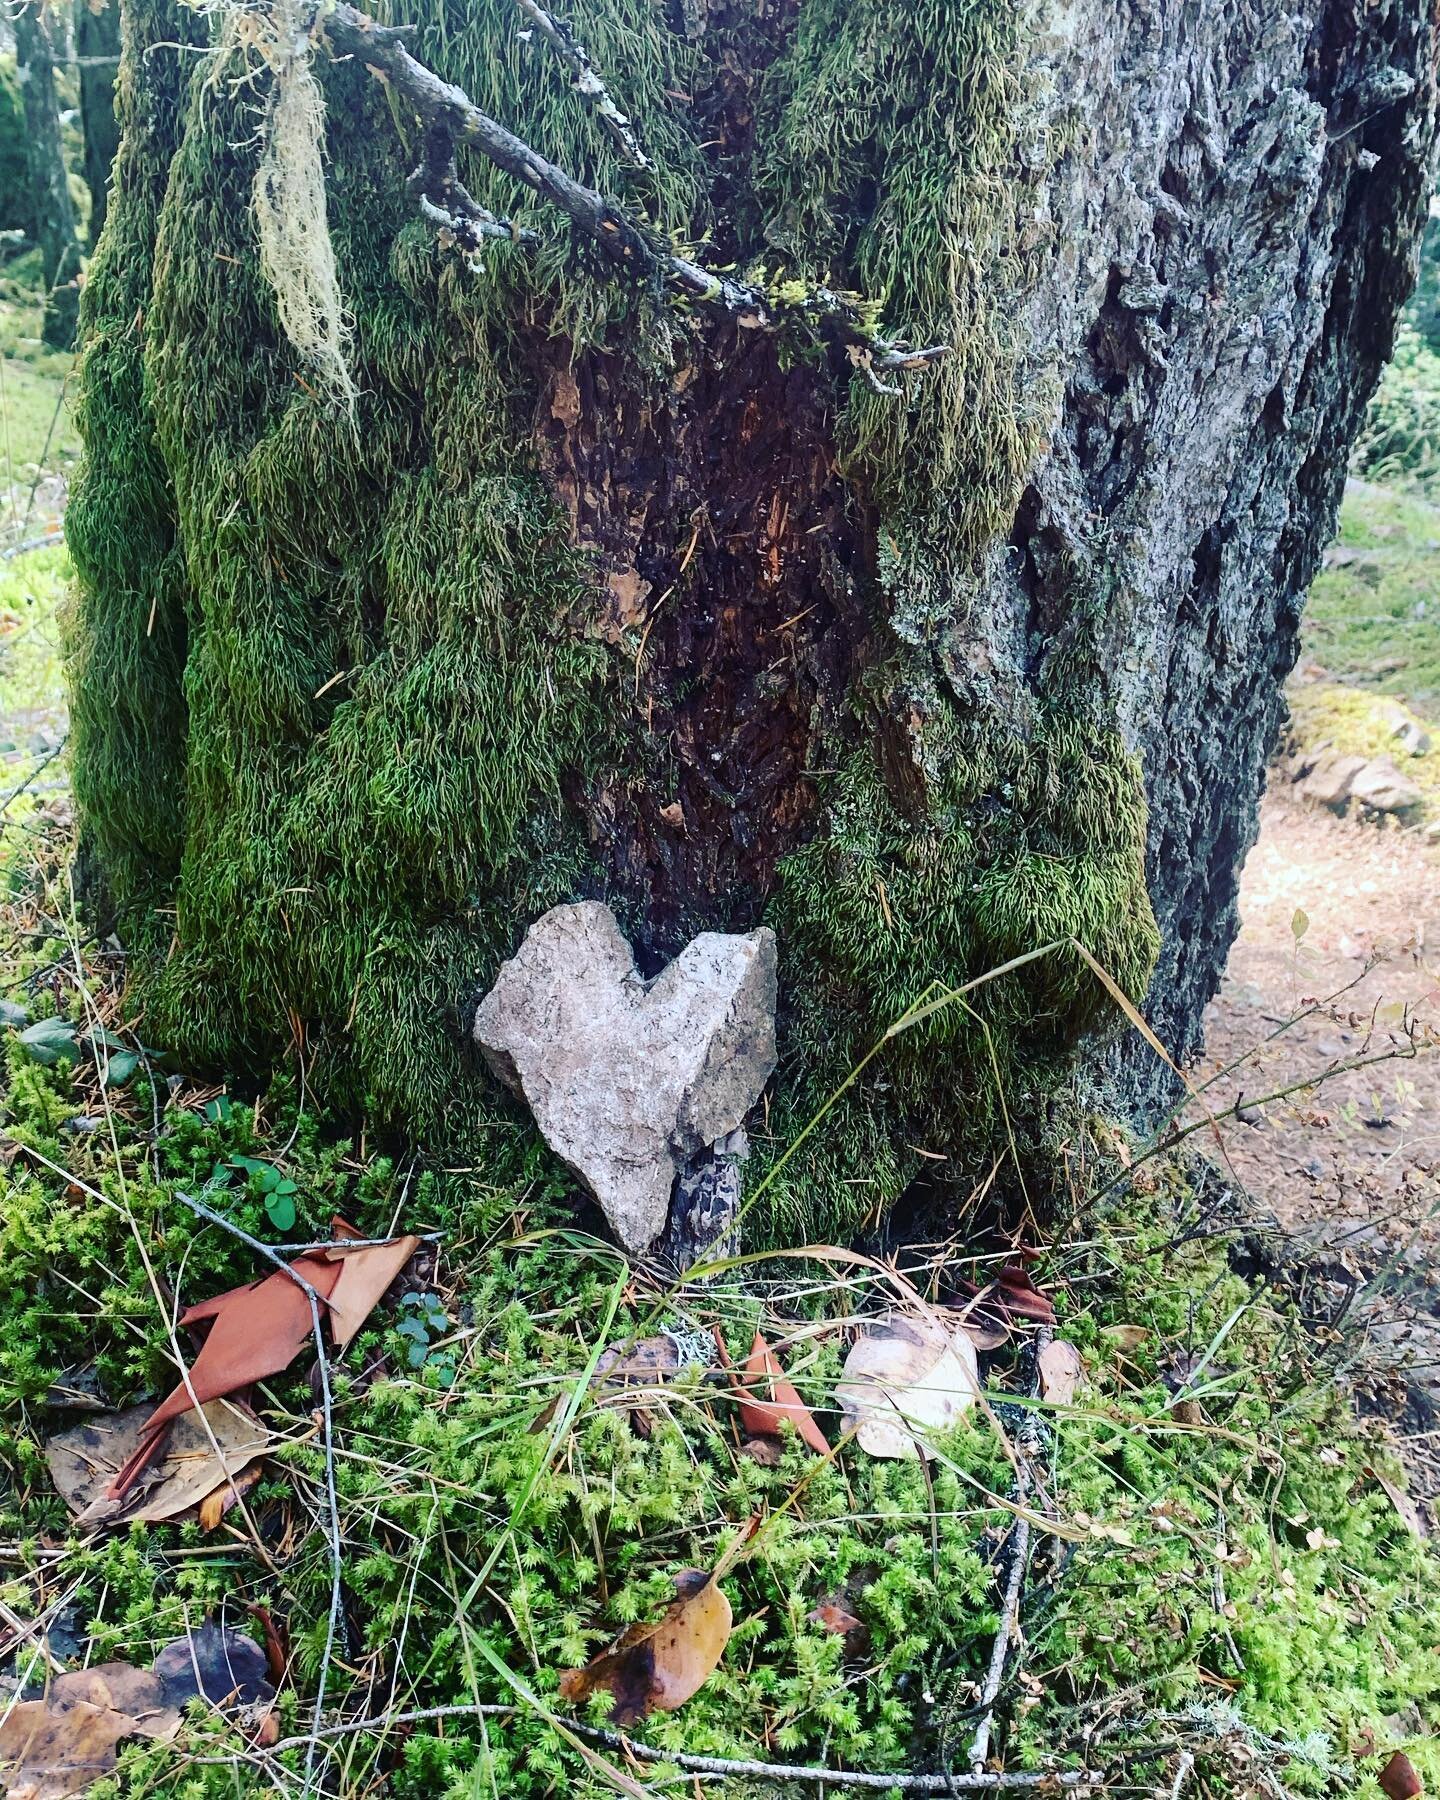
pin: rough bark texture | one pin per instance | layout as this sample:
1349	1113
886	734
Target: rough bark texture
1240	240
54	216
606	600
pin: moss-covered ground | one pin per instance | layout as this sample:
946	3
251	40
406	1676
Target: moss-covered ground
1218	1565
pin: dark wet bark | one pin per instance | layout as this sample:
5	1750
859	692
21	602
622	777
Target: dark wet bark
54	216
97	47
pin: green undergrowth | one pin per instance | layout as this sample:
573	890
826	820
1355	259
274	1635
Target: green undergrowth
1373	618
1209	1533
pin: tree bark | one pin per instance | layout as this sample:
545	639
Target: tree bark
604	597
53	213
97	49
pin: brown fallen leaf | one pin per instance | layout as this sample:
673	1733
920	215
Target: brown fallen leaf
656	1668
1399	1779
67	1738
765	1451
47	1752
259	1329
364	1276
906	1379
255	1331
85	1460
218	1502
767	1400
837	1618
1059	1368
1019	1293
1127	1339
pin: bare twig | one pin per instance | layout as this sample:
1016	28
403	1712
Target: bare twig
328	1427
584	80
1009	1625
704	1765
449	118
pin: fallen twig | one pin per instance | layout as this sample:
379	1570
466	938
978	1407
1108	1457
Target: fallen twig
1009	1624
586	82
700	1765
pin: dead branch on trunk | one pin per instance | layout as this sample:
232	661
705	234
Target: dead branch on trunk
449	118
584	79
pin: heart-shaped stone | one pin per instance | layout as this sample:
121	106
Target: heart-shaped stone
628	1079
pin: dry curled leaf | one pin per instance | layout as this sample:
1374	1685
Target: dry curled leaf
85	1461
65	1739
1127	1339
905	1380
767	1400
656	1668
1399	1779
1059	1368
364	1276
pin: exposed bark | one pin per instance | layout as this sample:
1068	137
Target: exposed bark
54	215
97	48
1238	244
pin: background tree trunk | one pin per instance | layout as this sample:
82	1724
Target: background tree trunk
52	211
97	48
601	598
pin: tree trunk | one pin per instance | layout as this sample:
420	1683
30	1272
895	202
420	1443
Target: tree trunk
53	213
97	47
604	597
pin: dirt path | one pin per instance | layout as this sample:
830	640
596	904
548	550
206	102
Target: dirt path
1362	1149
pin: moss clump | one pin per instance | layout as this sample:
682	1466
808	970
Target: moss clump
1012	846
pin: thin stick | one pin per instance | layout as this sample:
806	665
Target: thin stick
1019	1560
1182	1770
328	1417
706	1765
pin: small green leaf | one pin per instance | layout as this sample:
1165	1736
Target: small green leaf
417	1356
1300	924
280	1209
13	1014
286	1187
123	1065
217	1109
413	1328
47	1040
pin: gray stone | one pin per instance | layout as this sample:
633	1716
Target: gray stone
1329	782
630	1080
1381	787
1408	733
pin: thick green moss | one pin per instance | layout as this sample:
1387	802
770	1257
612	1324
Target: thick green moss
335	698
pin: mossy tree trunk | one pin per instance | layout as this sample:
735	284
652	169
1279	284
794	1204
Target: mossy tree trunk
598	596
51	208
97	50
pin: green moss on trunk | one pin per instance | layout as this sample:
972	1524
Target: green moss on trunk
346	715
